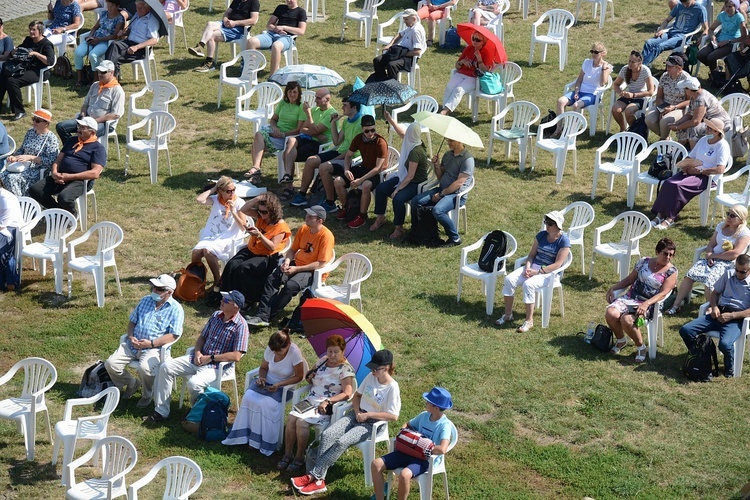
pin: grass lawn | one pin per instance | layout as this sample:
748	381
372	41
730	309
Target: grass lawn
539	414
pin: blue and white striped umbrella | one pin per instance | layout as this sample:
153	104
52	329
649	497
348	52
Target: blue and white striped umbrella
309	76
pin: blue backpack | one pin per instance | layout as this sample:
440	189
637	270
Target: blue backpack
214	421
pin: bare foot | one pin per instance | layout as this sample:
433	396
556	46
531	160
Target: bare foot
397	233
377	224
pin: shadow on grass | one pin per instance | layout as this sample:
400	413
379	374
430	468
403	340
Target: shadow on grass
471	307
649	28
30	473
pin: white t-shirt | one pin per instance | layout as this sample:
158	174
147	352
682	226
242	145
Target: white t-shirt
711	155
592	76
10	209
284	369
413	38
721	237
220	224
377	397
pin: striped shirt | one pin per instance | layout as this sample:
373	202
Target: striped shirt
151	323
224	336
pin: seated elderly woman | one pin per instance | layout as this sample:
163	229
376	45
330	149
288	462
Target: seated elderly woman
733	29
260	414
548	252
703	106
225	224
331	381
709	156
479	57
287	119
651	280
413	169
37	152
670	102
594	73
65	15
95	43
377	399
248	269
638	86
730	239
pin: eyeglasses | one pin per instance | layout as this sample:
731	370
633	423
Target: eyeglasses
596	51
549	222
230	191
262	212
368	130
741	271
732	215
478	40
38	120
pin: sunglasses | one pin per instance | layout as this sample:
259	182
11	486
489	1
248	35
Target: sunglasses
595	51
732	215
38	120
368	130
227	300
476	39
740	271
159	288
103	72
230	191
262	212
549	222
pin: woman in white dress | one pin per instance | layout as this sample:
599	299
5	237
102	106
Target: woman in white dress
259	416
225	224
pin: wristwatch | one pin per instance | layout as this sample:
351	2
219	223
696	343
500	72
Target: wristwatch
212	358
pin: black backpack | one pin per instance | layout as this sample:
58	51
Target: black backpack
95	380
424	228
494	246
214	421
351	207
702	363
639	127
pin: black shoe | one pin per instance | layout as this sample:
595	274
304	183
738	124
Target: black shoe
451	243
213	299
153	419
17	117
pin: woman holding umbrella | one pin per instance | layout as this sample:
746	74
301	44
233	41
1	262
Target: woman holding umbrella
482	53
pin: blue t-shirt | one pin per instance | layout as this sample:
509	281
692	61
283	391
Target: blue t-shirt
730	26
64	15
75	162
686	19
546	252
436	431
6	45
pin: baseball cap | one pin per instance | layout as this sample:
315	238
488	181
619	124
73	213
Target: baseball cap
89	122
164	281
380	358
691	83
106	66
235	297
317	211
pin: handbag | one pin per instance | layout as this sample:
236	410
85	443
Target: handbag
602	338
661	168
414	444
191	285
491	83
17	166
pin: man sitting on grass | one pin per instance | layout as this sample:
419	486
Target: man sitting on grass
240	14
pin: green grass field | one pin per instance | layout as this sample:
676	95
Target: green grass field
540	414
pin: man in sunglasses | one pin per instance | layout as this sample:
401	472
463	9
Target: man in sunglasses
156	321
688	15
223	340
104	102
729	305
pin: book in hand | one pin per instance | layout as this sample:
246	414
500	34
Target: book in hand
303	406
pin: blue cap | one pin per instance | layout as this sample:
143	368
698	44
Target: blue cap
439	397
235	297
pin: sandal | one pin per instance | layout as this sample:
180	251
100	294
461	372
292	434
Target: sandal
286	179
253	174
296	466
640	355
284	463
665	224
656	221
287	194
619	345
525	327
377	225
503	319
673	310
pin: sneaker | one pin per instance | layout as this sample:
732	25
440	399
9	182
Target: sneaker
359	221
452	243
130	390
257	322
341	215
314	488
300	200
330	207
300	482
205	67
196	51
525	327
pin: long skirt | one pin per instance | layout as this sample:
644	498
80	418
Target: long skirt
676	192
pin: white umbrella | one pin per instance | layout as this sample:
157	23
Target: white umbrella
449	127
309	76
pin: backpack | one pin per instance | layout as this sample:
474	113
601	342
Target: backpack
95	380
351	207
451	41
62	68
639	127
551	115
214	420
738	138
191	285
424	229
702	363
494	246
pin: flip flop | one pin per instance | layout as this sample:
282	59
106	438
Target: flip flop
377	225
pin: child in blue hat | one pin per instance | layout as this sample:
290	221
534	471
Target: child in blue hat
432	424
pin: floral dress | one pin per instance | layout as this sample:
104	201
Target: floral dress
45	146
646	285
326	384
702	272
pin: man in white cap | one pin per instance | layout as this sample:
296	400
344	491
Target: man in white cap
80	162
398	55
156	320
104	102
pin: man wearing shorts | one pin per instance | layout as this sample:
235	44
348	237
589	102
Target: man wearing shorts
286	21
240	14
350	127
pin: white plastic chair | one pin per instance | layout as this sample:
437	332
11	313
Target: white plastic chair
728	199
60	224
358	269
163	125
419	103
366	17
118	458
228	374
184	477
382	39
737	105
495	21
147	65
705	197
595	110
252	62
315	10
560	21
414	75
82	205
582	217
635	227
654	327
544	296
460	205
379	434
391	164
39	377
739	344
523	6
69	38
488	278
38	89
109	236
163	93
286	395
663	148
211	5
510	73
110	127
177	22
574	124
524	114
30	211
11	147
268	95
437	466
301	391
443	23
625	163
596	5
93	427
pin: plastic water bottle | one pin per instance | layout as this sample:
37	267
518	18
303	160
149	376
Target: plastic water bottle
659	158
589	333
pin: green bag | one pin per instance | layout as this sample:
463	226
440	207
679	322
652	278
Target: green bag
491	83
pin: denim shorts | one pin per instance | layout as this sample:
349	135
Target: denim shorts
586	98
267	39
232	34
